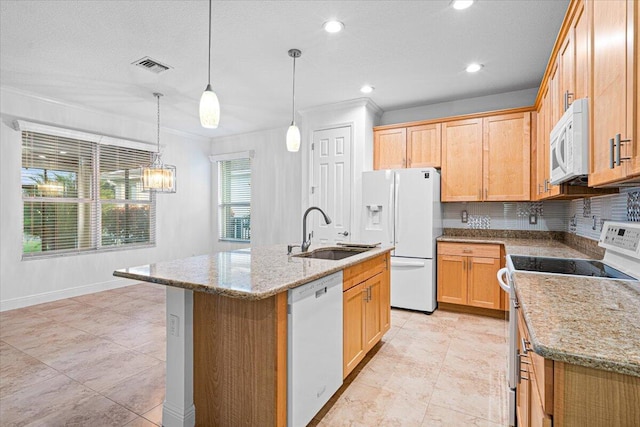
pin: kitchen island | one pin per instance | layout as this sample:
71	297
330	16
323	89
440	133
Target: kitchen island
227	329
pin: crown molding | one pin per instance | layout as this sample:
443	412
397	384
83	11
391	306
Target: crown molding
352	103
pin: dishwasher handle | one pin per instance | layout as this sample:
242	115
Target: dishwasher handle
321	292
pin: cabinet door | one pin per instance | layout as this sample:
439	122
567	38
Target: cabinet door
390	149
353	316
554	111
582	57
373	311
452	279
483	288
542	135
423	146
610	85
523	389
507	150
566	71
385	297
462	161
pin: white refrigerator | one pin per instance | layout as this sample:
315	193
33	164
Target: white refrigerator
402	208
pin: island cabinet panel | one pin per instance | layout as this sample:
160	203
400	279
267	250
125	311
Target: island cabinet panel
354	322
367	309
240	360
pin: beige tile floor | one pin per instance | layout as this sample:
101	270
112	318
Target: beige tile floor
99	360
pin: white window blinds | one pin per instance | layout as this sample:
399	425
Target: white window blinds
234	199
81	196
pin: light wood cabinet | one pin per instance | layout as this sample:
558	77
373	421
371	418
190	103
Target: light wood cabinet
462	161
467	275
407	147
613	93
390	149
486	159
506	157
366	309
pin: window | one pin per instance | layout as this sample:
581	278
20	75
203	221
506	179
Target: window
234	199
81	196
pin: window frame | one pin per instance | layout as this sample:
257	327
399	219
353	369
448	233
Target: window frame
220	205
94	201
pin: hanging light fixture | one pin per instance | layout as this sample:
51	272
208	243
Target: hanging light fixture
209	105
293	134
157	176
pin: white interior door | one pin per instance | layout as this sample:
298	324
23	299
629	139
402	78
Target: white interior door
331	185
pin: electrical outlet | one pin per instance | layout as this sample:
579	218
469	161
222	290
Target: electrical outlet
533	219
174	325
464	216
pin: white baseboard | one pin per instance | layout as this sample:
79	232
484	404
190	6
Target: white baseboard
26	301
175	417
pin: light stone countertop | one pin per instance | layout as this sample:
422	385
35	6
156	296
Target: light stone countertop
254	273
581	320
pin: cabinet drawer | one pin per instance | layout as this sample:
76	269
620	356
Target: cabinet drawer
469	249
360	272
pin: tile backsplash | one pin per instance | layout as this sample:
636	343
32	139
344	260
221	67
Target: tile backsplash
583	217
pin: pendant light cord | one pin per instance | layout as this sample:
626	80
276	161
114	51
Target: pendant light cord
293	107
158	96
209	81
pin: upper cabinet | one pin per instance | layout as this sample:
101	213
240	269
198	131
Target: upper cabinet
461	161
486	159
390	149
614	94
407	147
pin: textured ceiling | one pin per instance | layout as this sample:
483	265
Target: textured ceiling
413	52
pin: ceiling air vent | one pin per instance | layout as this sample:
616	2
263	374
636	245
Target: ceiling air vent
151	65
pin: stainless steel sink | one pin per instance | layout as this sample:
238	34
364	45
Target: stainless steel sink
332	253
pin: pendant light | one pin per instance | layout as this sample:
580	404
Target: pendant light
209	105
293	134
157	176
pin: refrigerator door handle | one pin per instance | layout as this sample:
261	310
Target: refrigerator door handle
391	219
397	263
397	207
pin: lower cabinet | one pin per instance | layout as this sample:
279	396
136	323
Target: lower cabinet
467	275
367	309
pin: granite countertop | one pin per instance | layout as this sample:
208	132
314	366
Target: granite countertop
581	320
516	246
254	273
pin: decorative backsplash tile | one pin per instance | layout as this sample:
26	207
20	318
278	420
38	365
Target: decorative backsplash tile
581	217
586	208
633	206
530	208
479	222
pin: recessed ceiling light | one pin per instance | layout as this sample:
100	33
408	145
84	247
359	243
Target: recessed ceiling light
366	89
41	156
474	68
462	4
63	152
333	26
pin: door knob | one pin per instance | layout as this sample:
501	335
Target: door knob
344	233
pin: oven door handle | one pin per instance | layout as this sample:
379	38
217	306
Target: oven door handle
501	274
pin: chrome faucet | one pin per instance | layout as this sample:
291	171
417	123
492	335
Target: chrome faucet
306	242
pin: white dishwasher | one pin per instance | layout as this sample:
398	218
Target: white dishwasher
314	368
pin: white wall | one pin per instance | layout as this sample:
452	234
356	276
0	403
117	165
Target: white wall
520	98
361	115
183	221
275	188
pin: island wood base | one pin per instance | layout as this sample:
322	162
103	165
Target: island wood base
240	360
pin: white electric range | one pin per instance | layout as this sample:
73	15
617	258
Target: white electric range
621	241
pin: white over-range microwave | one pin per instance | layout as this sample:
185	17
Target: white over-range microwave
569	144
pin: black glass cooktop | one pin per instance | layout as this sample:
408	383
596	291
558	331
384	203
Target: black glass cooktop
576	267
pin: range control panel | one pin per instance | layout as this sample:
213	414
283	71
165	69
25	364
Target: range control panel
622	237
